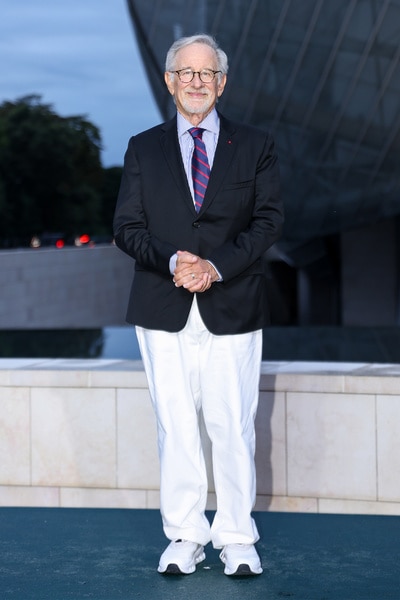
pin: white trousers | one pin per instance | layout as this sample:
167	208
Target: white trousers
192	370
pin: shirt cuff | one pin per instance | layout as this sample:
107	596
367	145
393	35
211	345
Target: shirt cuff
172	263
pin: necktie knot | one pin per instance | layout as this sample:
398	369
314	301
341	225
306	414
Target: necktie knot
196	132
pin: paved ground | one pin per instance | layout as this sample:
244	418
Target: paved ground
60	554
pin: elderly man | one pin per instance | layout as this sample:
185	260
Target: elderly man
198	207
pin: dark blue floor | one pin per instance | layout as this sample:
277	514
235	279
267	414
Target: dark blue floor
59	554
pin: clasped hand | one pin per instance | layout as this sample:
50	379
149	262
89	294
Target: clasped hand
193	273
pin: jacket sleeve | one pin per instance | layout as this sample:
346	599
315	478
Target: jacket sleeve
239	253
130	224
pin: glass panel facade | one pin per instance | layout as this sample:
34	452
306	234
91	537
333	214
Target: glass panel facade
323	76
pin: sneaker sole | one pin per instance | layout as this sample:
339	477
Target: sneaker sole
173	569
243	570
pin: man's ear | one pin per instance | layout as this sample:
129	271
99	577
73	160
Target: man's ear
169	81
221	85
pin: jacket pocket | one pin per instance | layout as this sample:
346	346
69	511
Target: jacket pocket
238	185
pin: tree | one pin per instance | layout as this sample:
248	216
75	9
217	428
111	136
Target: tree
51	177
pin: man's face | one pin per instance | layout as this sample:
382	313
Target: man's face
196	99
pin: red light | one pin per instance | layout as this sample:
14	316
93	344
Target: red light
84	239
60	244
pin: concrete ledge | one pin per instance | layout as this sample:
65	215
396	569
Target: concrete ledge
81	433
49	288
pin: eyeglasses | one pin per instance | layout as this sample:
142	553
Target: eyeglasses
187	75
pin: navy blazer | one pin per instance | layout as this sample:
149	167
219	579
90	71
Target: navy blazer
241	217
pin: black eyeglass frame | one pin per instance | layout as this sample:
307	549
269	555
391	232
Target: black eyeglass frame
196	73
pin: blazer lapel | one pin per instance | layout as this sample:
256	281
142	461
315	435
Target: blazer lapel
172	152
225	151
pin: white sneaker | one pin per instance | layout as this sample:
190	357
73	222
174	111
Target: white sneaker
181	558
241	560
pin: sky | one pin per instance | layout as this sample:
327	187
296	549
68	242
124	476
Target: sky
81	57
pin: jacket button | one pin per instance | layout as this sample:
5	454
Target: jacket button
196	224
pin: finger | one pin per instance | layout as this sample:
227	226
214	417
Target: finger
186	258
198	284
191	280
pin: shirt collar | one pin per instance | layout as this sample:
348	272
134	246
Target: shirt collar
210	123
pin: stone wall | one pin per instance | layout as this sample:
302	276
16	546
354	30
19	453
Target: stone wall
81	433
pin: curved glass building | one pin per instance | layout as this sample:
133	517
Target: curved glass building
324	76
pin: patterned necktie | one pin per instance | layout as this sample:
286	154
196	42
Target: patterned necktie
200	167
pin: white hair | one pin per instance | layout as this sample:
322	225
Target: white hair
222	59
